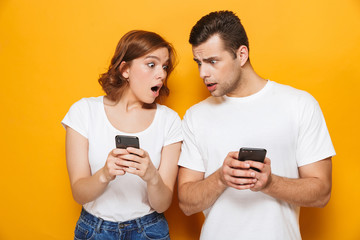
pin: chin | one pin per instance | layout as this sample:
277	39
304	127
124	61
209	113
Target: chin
149	101
216	94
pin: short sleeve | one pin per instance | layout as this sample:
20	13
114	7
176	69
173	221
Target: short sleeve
77	117
190	156
314	142
173	129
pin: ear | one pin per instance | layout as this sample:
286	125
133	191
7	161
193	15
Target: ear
243	54
124	69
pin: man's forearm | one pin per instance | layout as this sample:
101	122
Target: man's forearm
197	196
304	192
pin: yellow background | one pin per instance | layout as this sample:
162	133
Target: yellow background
52	52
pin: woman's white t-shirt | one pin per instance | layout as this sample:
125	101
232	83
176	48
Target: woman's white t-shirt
125	198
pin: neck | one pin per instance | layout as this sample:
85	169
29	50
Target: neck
128	102
249	82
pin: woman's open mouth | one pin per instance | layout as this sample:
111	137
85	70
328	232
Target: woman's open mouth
156	89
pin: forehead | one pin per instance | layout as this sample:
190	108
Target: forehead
161	54
214	46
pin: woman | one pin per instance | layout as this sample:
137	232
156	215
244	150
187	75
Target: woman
125	191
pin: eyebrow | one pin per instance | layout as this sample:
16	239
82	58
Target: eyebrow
155	57
206	59
150	56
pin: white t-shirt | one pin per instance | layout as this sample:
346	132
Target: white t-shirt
285	121
125	197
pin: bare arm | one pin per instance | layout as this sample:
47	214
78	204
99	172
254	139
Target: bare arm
86	187
312	189
160	191
160	183
197	193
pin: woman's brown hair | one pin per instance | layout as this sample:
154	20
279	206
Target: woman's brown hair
132	45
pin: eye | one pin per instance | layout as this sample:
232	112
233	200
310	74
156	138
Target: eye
165	67
151	65
213	61
198	63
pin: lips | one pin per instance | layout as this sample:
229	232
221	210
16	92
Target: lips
155	89
211	86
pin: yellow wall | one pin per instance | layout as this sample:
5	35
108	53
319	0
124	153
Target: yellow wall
51	53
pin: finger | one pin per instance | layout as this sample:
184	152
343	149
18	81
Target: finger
131	157
242	181
132	171
136	151
129	164
116	171
233	155
238	164
258	165
267	161
119	164
258	185
241	187
120	172
111	162
237	172
118	151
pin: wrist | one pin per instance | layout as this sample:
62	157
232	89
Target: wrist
269	184
220	179
154	180
103	177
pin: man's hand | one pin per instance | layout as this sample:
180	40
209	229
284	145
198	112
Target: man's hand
263	177
237	174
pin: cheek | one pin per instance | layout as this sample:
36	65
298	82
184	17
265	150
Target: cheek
231	70
137	85
138	76
140	82
224	72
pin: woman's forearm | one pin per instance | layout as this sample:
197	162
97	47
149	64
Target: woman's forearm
159	195
87	189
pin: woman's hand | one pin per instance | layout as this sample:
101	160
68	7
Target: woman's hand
138	162
113	165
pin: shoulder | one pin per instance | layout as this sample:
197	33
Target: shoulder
166	110
204	105
292	94
86	107
167	113
80	115
170	123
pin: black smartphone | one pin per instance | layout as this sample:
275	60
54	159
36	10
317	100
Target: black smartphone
124	141
254	154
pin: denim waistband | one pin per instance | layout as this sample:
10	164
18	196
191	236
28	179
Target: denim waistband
99	223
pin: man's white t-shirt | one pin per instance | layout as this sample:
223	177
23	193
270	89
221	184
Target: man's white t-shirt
285	121
125	198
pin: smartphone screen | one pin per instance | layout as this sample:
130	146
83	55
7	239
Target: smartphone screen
124	141
252	154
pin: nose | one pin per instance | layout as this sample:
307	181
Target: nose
204	72
161	74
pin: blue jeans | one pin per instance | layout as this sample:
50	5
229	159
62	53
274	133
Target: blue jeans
151	226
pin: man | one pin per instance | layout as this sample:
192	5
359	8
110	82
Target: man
246	110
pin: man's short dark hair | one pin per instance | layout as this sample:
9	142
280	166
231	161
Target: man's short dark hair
223	23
